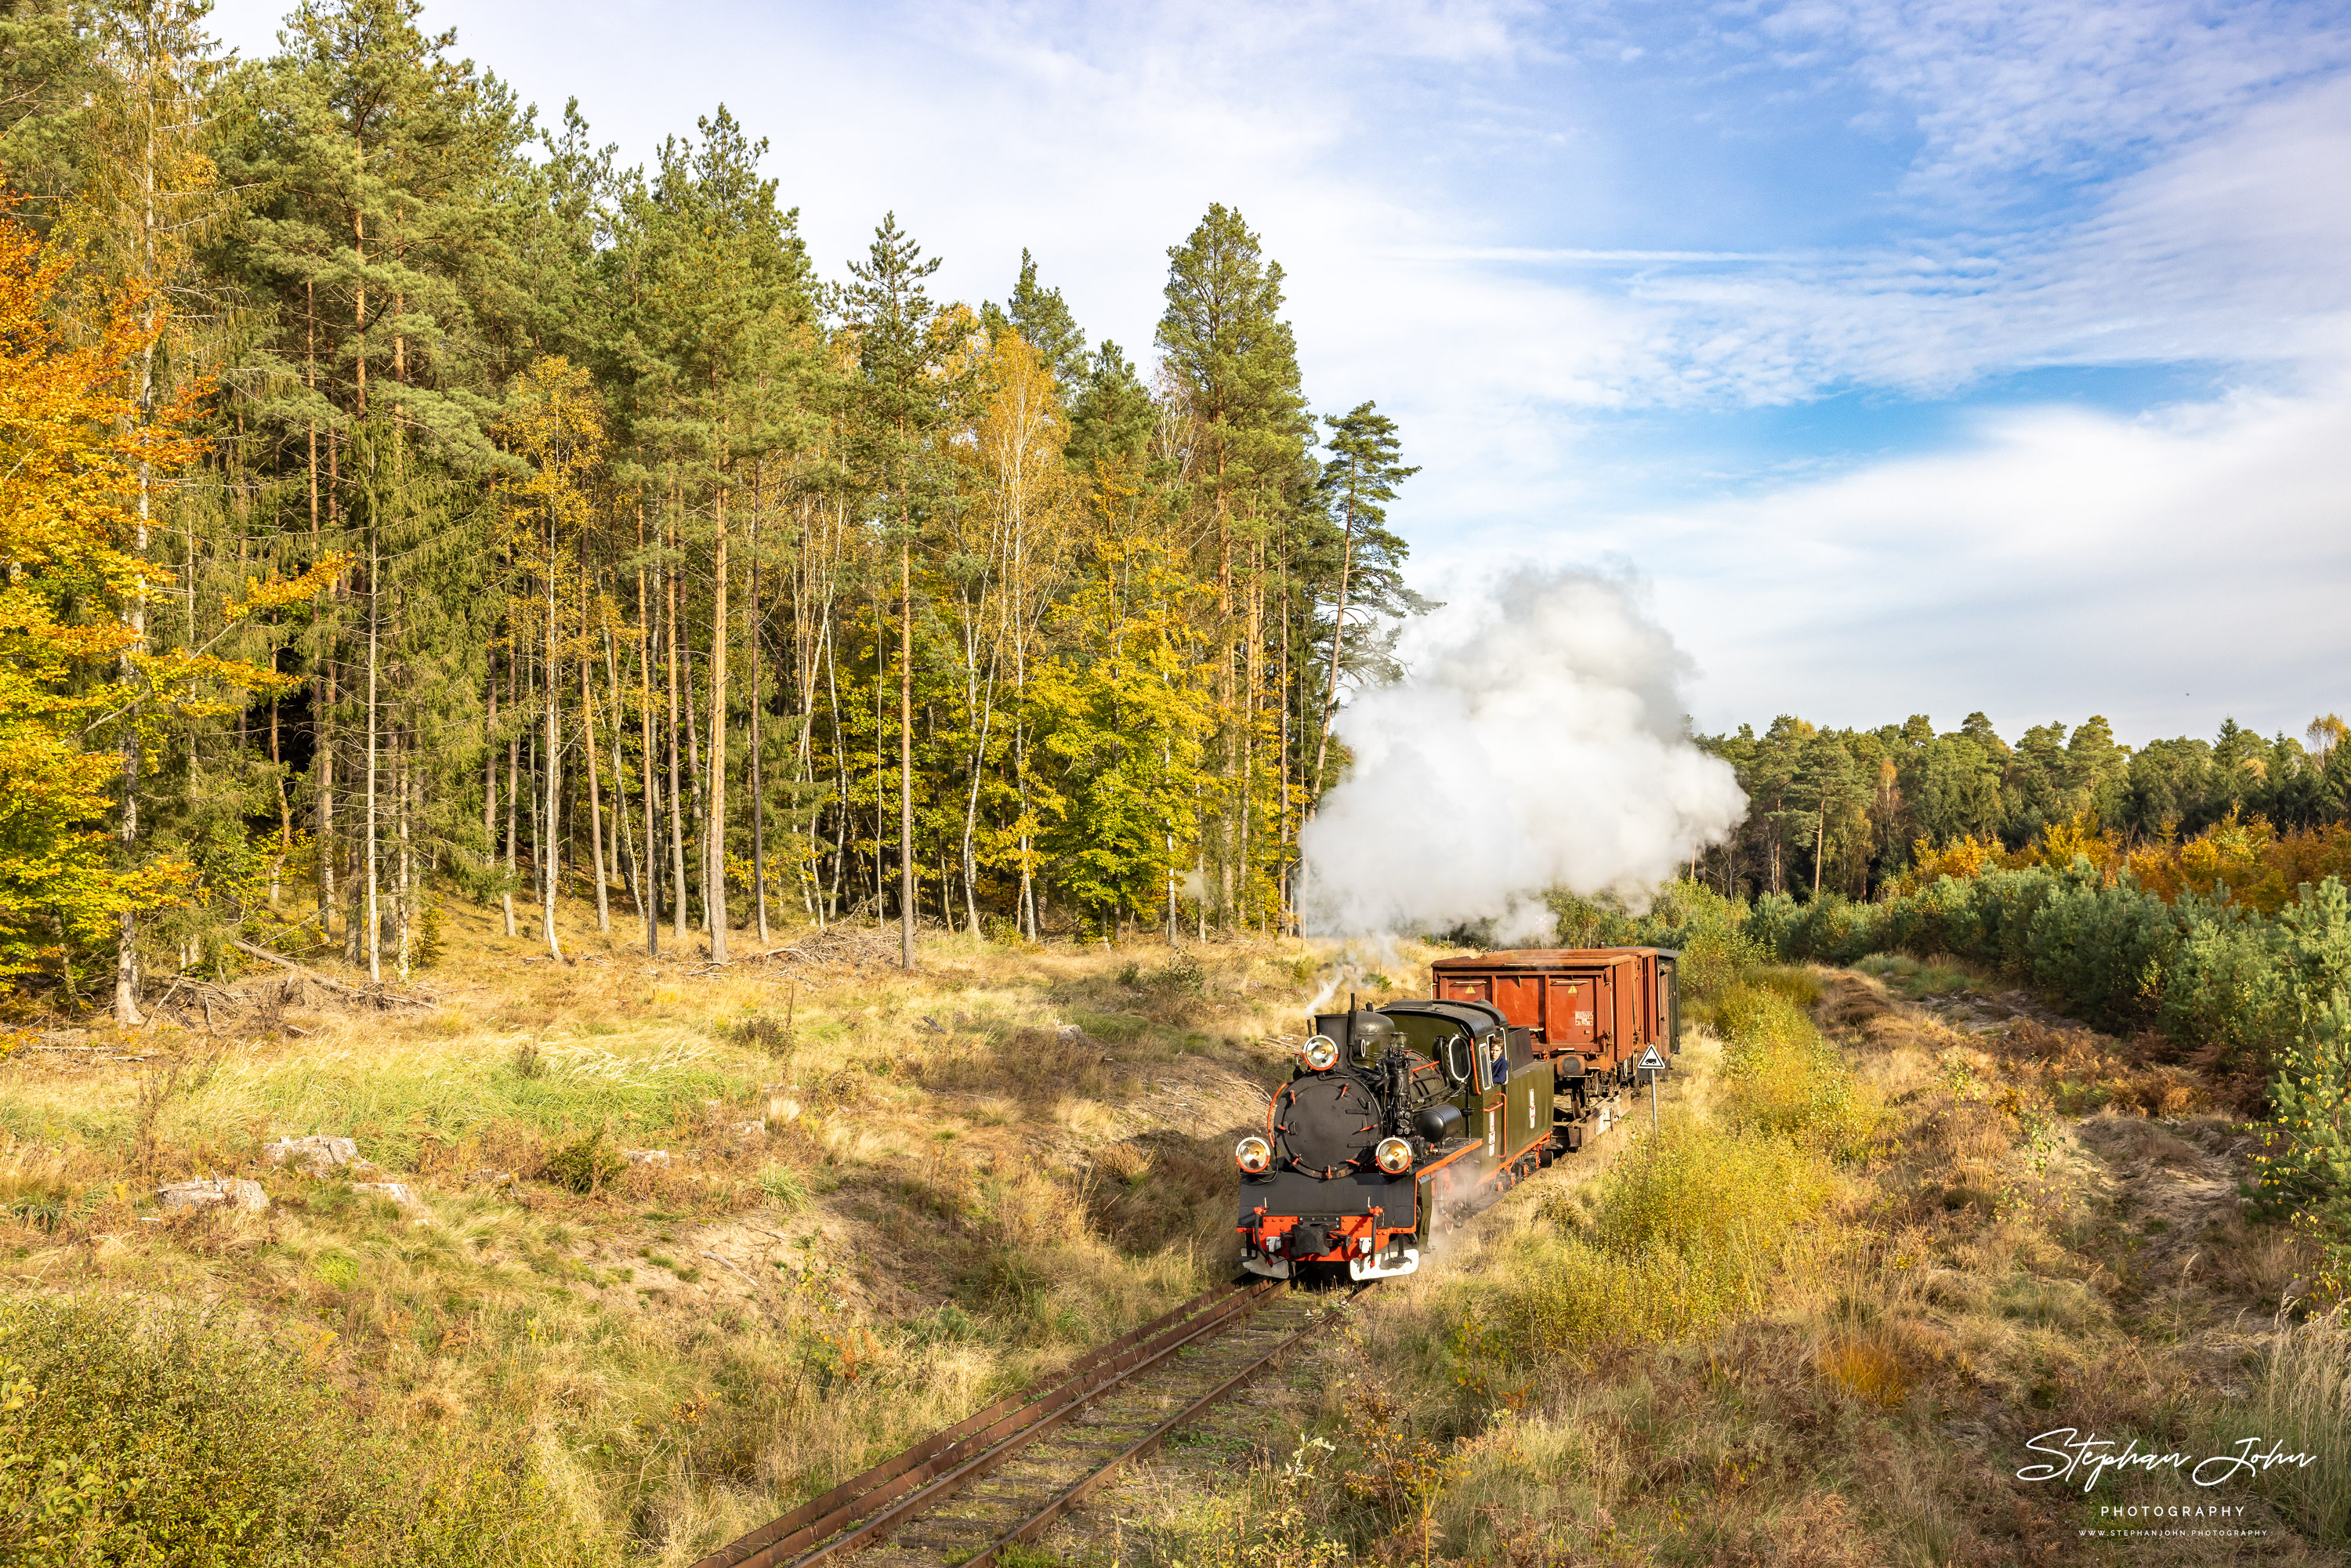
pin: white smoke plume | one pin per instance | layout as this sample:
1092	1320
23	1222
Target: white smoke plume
1537	743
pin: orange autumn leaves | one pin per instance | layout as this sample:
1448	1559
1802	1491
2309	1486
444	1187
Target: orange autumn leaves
75	451
2244	860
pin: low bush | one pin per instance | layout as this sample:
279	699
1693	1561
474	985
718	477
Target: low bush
2238	988
1782	1079
131	1436
584	1165
1686	1229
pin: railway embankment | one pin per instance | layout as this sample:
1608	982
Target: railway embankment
623	1260
1909	1237
601	1262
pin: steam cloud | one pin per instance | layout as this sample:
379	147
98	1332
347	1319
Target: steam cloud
1537	743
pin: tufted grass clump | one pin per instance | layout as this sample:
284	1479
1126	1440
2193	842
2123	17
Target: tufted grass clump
1867	1368
2302	1402
784	1188
1782	1079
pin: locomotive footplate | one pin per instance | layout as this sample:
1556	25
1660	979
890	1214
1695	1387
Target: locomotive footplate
1287	1217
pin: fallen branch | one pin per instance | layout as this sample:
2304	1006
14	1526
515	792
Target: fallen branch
381	996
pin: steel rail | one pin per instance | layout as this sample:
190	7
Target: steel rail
944	1462
737	1552
1035	1524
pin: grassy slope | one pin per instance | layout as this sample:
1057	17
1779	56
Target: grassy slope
2021	1247
949	1194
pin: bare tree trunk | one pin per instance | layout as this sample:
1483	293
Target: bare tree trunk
713	876
490	763
905	749
622	832
374	921
652	901
758	793
325	733
676	778
595	791
134	612
1338	631
1254	621
832	659
554	759
407	877
697	794
514	774
971	804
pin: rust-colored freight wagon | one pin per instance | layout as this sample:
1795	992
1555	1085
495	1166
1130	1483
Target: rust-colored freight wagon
1592	1012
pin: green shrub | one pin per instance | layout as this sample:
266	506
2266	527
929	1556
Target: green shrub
2236	986
1710	932
1688	1227
134	1437
2305	1158
2101	949
583	1165
1180	978
1781	1078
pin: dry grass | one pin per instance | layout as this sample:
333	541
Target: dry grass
2003	1257
1716	1346
889	1197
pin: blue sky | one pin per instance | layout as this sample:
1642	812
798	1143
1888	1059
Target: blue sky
1938	355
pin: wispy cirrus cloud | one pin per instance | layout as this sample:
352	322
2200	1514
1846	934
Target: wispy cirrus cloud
1999	90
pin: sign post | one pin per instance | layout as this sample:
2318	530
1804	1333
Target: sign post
1653	1067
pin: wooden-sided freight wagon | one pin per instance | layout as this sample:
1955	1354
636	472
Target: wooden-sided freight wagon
1590	1012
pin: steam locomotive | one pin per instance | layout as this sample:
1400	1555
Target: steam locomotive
1404	1122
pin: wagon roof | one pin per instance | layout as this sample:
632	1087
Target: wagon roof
1552	958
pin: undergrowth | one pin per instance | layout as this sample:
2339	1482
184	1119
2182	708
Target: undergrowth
871	1203
137	1435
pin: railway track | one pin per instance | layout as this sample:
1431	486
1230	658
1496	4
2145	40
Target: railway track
1005	1474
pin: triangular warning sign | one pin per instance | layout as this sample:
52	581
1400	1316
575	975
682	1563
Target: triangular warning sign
1650	1062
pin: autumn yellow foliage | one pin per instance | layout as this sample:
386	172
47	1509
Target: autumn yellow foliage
76	449
2246	858
71	445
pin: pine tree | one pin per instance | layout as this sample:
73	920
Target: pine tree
1043	320
898	352
1112	416
1358	482
1234	363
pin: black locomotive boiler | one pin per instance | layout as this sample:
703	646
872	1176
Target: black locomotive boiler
1397	1124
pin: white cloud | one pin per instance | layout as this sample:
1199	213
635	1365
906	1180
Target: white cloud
2168	570
2007	88
2051	560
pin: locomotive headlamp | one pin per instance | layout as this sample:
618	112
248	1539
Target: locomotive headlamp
1322	1053
1395	1155
1253	1154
